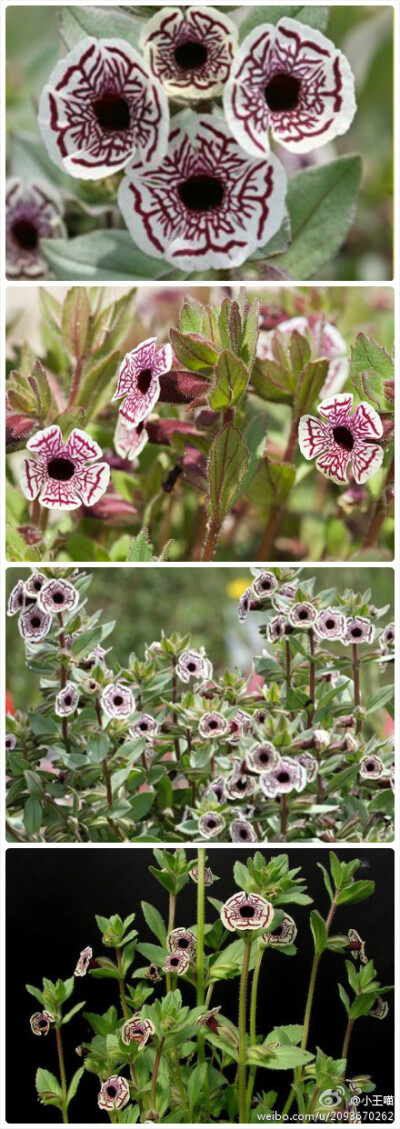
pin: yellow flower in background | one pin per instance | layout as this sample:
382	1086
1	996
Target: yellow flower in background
236	588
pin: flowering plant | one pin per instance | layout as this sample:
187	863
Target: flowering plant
163	748
165	1050
234	426
193	139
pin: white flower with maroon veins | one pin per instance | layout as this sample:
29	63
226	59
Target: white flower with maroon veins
208	204
326	340
40	1022
182	941
190	50
371	768
129	441
238	785
137	1030
330	624
356	946
34	584
284	934
276	628
193	664
262	758
59	473
117	700
177	962
246	911
139	380
145	726
241	831
291	82
289	775
387	639
217	789
208	875
244	605
311	766
67	700
114	1093
32	214
211	824
380	1008
213	725
302	615
100	109
34	624
343	438
83	961
359	629
264	585
58	596
10	742
16	599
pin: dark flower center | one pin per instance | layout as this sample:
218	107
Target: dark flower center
265	585
112	112
183	943
213	725
241	784
111	1091
283	777
61	469
174	961
201	193
282	92
144	380
247	911
26	234
190	56
42	1023
243	834
356	632
370	766
264	758
303	614
37	585
343	436
58	598
330	624
35	622
118	700
143	726
68	700
211	823
191	666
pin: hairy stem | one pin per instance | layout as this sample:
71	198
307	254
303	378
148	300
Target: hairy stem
292	442
76	382
284	814
174	715
181	1088
153	1096
63	683
356	680
311	709
171	922
242	1031
253	1029
288	669
201	862
381	510
121	981
211	540
63	1079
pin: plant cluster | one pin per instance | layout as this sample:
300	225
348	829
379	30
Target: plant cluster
214	441
168	127
162	748
168	1053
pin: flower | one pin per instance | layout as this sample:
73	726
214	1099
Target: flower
387	639
137	1030
129	441
262	758
59	474
34	624
194	664
284	934
10	741
209	1019
371	768
152	973
290	775
321	739
34	584
277	628
217	789
356	946
58	596
33	213
190	51
208	875
302	615
139	380
16	599
246	911
330	624
100	109
291	82
379	1009
359	629
264	585
114	1093
238	785
83	961
326	340
343	439
212	725
311	766
207	204
117	700
145	726
40	1022
211	824
177	962
244	604
238	726
182	940
67	700
241	831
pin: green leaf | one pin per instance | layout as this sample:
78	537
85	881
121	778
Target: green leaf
195	1085
48	1088
32	816
141	548
363	1004
241	875
193	351
357	892
210	327
74	1083
319	931
231	377
250	334
75	320
321	203
94	385
155	922
153	953
103	23
69	1015
309	385
98	747
271	484
310	14
99	256
38	995
271	381
191	316
229	459
141	804
38	379
85	642
345	999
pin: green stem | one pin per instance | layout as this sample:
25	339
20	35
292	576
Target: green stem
311	709
349	1029
124	1004
201	863
181	1087
153	1096
242	1031
288	671
63	1079
284	815
171	922
211	540
381	510
356	680
253	1030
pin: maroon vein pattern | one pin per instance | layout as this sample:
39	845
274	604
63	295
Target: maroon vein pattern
169	30
31	214
140	397
342	439
86	484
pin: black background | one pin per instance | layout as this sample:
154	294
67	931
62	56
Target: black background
53	895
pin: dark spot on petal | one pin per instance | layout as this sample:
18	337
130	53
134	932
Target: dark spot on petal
26	234
61	469
283	777
190	56
330	624
112	112
201	193
191	666
247	911
344	437
35	621
58	598
144	380
356	632
111	1091
282	92
304	614
213	725
183	943
118	700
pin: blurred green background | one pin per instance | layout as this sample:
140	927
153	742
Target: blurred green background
365	34
145	601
